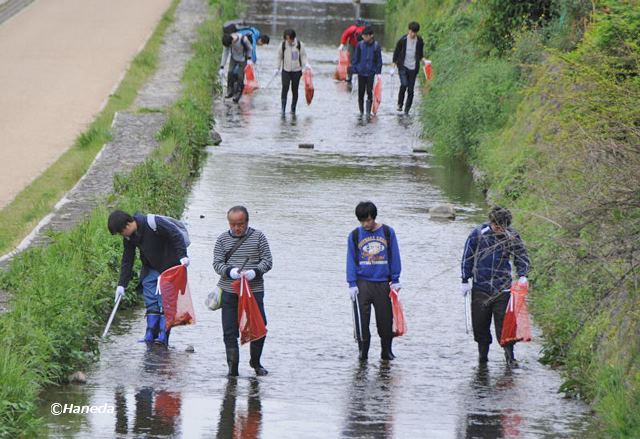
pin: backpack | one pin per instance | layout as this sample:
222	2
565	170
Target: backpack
179	225
232	26
387	236
297	45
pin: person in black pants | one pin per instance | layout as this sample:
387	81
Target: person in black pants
367	63
407	56
291	57
487	260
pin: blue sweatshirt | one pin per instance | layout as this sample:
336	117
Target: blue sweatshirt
255	34
368	59
372	253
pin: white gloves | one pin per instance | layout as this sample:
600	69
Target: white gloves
249	62
396	287
234	273
523	280
249	274
353	292
184	261
307	66
275	72
465	288
341	47
119	293
392	72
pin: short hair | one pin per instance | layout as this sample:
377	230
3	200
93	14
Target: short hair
289	33
264	38
118	221
366	210
414	26
367	31
239	209
227	39
500	216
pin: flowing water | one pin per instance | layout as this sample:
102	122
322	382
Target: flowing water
303	200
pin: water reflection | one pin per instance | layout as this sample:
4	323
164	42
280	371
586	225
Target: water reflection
370	403
245	425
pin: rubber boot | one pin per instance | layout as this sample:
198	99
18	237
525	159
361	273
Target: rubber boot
363	348
483	352
385	353
509	356
284	107
233	358
361	108
153	320
163	334
393	357
293	109
369	109
255	348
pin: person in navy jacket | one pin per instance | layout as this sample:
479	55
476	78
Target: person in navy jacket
373	267
367	63
487	260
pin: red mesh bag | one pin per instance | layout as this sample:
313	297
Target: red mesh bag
428	70
343	64
377	94
399	325
516	326
176	298
250	321
307	76
250	81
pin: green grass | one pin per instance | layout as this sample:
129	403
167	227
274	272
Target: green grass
22	214
67	287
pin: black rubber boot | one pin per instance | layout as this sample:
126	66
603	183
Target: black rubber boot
385	353
369	109
509	356
363	348
483	352
284	107
361	108
293	109
233	358
393	357
256	352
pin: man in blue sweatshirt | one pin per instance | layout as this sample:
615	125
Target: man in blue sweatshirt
367	63
373	267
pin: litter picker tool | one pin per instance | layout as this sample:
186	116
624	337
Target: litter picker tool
113	314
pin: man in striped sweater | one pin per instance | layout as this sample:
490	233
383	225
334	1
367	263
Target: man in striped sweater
241	247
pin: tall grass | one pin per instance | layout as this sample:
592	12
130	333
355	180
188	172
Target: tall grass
61	294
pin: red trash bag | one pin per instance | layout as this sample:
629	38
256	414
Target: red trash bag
377	94
307	76
428	70
250	81
250	321
399	324
516	326
343	65
176	298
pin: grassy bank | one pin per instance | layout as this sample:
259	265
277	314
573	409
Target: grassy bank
541	97
62	294
20	216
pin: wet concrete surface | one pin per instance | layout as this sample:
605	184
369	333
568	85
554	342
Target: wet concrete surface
303	200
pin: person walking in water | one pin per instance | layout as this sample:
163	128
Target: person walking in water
367	64
349	40
407	56
162	245
241	251
292	56
373	267
237	49
486	260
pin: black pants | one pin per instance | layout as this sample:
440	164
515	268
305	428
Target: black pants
290	79
230	317
407	84
235	77
376	294
365	83
481	314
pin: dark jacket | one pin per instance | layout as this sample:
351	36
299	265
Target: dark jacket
368	59
158	250
491	253
401	51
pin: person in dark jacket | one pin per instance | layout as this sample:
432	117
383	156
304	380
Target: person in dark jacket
160	249
407	56
241	251
367	63
373	267
487	260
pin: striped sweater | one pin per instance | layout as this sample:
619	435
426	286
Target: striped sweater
256	248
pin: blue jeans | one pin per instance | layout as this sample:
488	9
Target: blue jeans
230	316
152	301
